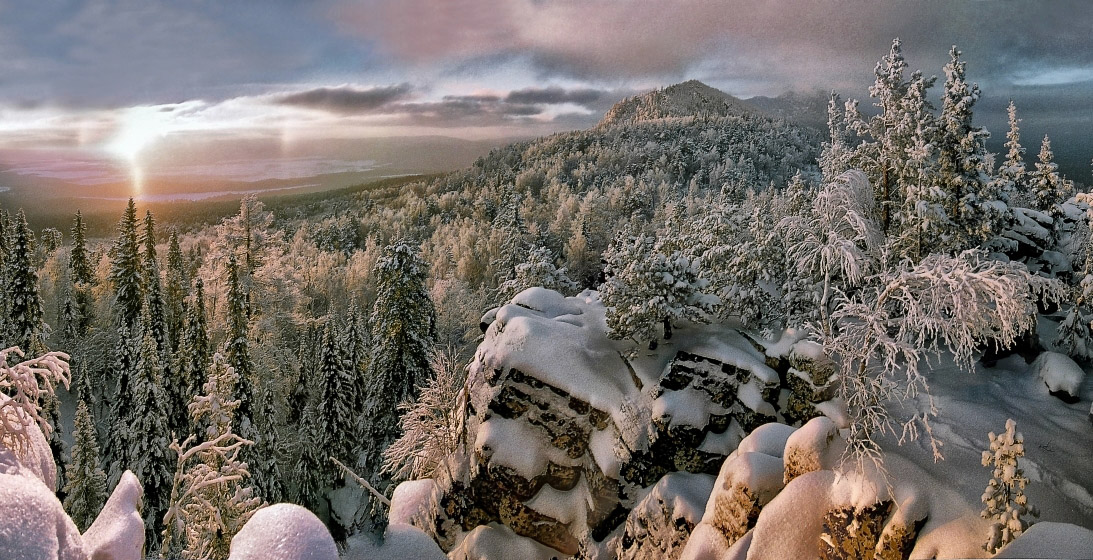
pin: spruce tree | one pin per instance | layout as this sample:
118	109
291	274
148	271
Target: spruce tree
85	493
336	415
1012	172
175	291
25	325
837	150
237	350
119	449
151	435
79	261
312	463
194	353
1048	187
403	334
125	271
1004	500
962	156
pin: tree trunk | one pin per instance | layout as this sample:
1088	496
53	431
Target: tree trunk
667	328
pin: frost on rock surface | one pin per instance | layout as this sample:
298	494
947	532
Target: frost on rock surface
567	430
283	532
1062	376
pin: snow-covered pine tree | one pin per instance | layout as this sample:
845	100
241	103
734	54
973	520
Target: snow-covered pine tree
150	434
25	317
1048	188
237	350
1012	174
923	221
1004	499
335	414
837	150
430	425
910	312
884	150
537	270
79	261
175	291
355	349
649	287
125	271
1075	333
82	274
194	353
513	249
311	463
403	334
120	446
85	492
209	501
962	158
51	405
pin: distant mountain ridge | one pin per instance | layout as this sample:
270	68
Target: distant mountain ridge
696	99
688	99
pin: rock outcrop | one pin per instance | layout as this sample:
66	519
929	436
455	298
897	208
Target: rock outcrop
578	442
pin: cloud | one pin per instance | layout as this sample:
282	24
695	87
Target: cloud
347	99
555	96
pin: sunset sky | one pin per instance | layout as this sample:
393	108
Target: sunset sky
116	77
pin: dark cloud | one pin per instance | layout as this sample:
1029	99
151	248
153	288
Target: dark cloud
347	99
465	110
555	95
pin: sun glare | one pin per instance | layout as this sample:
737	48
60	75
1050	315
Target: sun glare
139	128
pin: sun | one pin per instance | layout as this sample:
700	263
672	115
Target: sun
139	127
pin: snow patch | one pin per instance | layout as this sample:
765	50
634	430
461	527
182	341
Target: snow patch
410	499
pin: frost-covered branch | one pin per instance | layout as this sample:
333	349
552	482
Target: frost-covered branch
955	304
430	425
22	387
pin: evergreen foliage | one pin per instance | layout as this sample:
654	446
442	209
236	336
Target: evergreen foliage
403	335
25	325
125	271
85	492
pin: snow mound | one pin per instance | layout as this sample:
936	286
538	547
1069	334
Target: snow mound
1051	540
33	525
491	542
410	499
769	439
118	531
37	458
283	532
400	542
1062	375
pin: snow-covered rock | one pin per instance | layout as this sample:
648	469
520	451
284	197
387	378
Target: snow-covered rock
1061	374
660	525
814	447
567	430
283	532
1051	540
490	542
118	532
400	542
410	500
33	525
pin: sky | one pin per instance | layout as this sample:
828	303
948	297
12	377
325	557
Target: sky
119	77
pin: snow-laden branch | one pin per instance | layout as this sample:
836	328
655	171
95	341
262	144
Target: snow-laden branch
913	312
22	387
